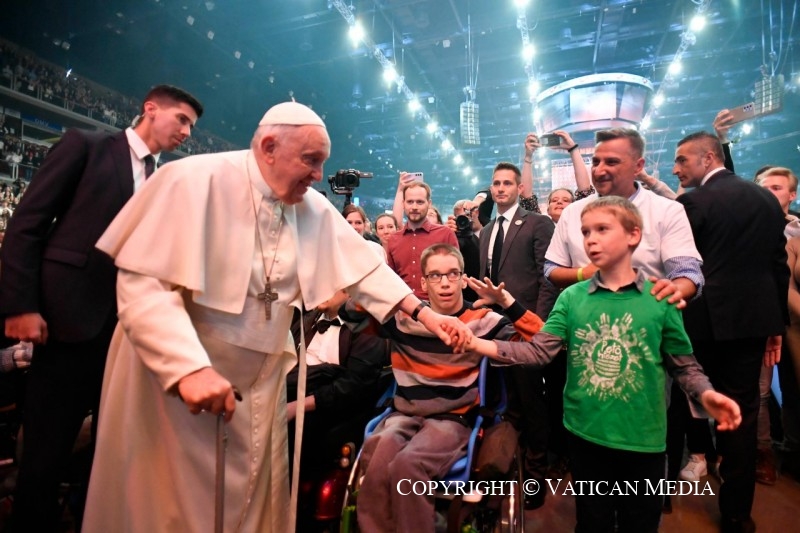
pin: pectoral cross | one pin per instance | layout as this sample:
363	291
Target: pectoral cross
268	296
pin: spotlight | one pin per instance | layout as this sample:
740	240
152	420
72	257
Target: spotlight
447	145
520	3
658	100
356	33
698	23
467	171
528	52
458	159
747	128
675	67
389	74
432	126
414	105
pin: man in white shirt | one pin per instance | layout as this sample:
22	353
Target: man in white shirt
667	250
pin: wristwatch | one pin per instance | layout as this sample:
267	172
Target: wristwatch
415	314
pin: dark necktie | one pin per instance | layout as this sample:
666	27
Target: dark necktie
149	165
322	324
497	250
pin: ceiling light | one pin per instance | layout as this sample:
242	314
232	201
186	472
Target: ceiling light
520	3
658	100
474	181
190	20
447	145
467	171
210	35
389	74
432	127
645	124
458	159
237	54
747	128
414	105
698	23
675	67
356	33
528	52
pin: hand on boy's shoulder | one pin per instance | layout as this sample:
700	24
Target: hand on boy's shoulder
666	288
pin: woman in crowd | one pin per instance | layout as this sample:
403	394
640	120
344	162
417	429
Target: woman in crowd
357	218
385	227
434	216
557	200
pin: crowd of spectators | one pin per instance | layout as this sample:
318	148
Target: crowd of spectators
23	72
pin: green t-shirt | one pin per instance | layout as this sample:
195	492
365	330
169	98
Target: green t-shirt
615	390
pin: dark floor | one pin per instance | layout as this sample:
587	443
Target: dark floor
776	509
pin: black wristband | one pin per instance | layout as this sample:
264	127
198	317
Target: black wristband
573	147
415	314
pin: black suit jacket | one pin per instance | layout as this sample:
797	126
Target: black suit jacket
526	239
49	262
738	229
355	383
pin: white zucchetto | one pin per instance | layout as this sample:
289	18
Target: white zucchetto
291	113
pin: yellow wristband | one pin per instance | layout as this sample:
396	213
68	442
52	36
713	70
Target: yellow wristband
580	274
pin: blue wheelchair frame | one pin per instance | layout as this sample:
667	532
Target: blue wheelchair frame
462	469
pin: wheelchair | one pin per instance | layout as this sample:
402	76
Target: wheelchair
473	511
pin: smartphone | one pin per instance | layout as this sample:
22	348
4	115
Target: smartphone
550	140
743	112
415	176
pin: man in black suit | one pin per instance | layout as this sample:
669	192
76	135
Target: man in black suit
512	248
737	321
58	291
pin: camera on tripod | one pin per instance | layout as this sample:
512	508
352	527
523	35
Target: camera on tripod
345	181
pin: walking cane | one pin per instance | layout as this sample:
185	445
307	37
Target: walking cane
219	486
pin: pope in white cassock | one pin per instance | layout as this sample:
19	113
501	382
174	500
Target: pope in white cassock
213	254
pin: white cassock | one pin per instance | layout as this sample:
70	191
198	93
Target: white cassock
190	270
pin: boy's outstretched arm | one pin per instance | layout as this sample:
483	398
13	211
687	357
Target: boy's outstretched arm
688	373
722	409
526	323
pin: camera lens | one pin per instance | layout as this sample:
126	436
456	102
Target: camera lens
463	223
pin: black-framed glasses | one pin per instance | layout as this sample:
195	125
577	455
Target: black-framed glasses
455	275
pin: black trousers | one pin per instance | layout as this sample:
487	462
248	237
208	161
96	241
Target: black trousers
734	368
637	511
528	412
63	387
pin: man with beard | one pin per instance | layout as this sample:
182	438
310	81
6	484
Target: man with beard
405	247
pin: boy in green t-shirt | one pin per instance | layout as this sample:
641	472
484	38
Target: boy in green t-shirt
620	342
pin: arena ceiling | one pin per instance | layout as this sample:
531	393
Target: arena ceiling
241	56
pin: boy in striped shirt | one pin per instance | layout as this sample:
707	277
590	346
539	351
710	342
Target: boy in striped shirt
437	394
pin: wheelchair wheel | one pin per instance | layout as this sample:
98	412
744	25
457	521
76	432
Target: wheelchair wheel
511	517
348	522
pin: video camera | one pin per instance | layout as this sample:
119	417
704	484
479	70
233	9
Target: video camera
463	226
345	181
